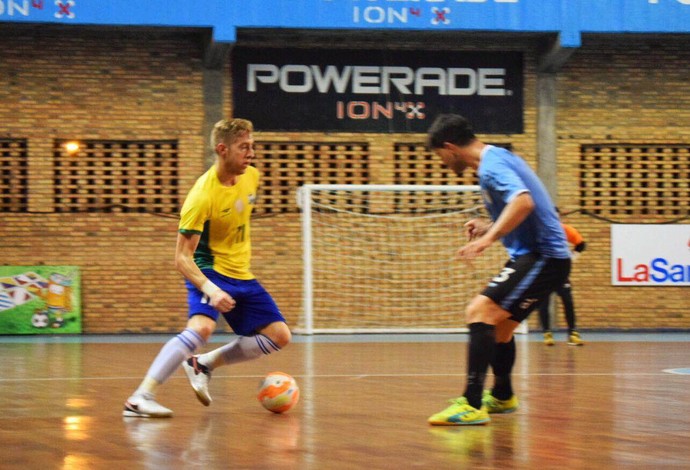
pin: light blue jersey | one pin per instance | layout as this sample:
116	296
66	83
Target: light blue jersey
502	176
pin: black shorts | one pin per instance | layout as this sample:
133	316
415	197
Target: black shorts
526	282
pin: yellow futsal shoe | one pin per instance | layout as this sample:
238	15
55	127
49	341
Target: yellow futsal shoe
548	338
460	413
574	339
494	405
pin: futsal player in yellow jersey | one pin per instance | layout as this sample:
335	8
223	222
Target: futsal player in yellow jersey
225	243
213	254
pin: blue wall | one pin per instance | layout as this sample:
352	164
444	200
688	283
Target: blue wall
570	18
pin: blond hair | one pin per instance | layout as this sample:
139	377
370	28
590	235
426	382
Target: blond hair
226	131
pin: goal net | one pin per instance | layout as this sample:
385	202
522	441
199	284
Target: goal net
381	258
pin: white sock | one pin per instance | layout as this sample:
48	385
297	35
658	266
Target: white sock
171	355
244	348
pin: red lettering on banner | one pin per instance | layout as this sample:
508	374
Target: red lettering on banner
358	110
415	111
402	107
640	273
374	110
64	9
378	109
440	15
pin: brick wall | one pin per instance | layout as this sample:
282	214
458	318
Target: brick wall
102	85
624	90
63	84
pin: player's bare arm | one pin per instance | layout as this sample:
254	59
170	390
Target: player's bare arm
475	228
184	262
513	215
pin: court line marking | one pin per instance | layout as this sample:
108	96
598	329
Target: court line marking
678	371
351	376
654	336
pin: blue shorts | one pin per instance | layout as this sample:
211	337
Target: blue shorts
254	309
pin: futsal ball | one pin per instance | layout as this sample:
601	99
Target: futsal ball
278	392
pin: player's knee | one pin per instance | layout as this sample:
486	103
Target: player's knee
482	309
279	333
284	337
476	311
205	332
202	325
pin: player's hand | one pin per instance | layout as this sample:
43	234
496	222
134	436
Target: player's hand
473	249
575	255
475	228
222	301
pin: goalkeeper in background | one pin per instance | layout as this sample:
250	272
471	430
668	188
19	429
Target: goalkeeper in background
525	220
566	294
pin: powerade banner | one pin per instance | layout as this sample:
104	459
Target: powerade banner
650	255
376	90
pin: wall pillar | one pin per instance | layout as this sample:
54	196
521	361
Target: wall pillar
547	159
215	71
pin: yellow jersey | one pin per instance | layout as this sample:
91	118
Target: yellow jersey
220	214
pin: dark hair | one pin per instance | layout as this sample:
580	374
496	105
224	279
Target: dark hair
451	128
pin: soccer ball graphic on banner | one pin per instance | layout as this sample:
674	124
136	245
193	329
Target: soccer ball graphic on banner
278	392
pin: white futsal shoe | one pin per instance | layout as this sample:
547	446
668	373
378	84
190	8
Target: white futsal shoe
143	405
199	376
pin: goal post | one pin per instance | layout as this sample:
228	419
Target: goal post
381	258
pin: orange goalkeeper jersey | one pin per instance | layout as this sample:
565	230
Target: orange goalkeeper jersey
574	237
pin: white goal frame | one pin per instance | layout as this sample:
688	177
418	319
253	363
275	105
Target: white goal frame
304	202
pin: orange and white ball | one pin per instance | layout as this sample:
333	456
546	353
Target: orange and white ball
278	392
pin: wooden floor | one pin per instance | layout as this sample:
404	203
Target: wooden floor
364	405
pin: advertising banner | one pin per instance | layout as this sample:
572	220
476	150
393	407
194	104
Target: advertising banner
650	255
567	19
376	90
40	300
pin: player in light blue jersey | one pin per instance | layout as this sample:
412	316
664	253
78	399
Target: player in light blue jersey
503	176
524	218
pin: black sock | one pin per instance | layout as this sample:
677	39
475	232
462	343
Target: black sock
480	355
502	365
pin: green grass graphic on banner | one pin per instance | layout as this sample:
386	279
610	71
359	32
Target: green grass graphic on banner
40	300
